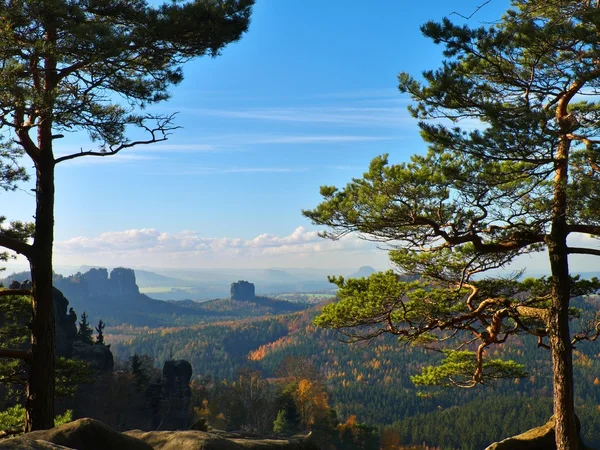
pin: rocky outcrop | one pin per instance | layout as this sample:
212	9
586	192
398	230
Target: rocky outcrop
99	357
122	283
89	434
242	291
29	444
539	438
97	284
170	397
83	434
66	328
65	321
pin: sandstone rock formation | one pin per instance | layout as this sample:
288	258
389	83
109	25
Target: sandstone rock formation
89	434
99	357
82	434
170	397
29	444
242	291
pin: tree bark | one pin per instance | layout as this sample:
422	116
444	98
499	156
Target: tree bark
40	386
558	323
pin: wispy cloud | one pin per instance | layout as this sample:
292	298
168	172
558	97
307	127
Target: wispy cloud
138	245
233	170
183	148
319	139
390	116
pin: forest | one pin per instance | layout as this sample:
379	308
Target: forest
372	381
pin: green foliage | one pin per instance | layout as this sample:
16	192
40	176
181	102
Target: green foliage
85	331
280	425
15	333
132	49
69	375
457	368
139	371
12	419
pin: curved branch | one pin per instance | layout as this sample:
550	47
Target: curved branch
109	152
583	251
587	229
16	246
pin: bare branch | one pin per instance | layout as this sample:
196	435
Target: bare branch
473	13
158	134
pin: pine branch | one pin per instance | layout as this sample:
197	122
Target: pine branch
587	229
584	251
16	246
10	292
15	354
158	134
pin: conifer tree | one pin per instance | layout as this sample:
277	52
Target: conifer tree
523	177
138	371
85	331
91	67
100	335
280	424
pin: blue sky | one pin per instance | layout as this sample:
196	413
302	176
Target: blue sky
307	97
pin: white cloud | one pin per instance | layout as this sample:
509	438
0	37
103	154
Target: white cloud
190	249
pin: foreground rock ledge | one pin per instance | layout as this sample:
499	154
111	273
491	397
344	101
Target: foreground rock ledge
90	434
540	438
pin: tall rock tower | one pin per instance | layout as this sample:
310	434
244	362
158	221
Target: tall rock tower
242	291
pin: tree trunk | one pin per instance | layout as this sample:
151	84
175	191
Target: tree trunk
40	387
558	321
562	364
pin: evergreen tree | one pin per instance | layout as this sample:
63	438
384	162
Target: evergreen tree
280	426
138	371
85	331
99	330
78	65
524	179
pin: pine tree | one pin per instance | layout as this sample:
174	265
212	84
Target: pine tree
138	371
88	66
280	425
99	330
85	331
524	178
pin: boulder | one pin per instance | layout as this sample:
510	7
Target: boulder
183	440
539	438
199	440
82	434
29	444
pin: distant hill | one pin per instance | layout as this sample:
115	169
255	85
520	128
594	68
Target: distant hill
364	271
145	278
116	299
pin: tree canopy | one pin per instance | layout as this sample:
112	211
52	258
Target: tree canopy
521	175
